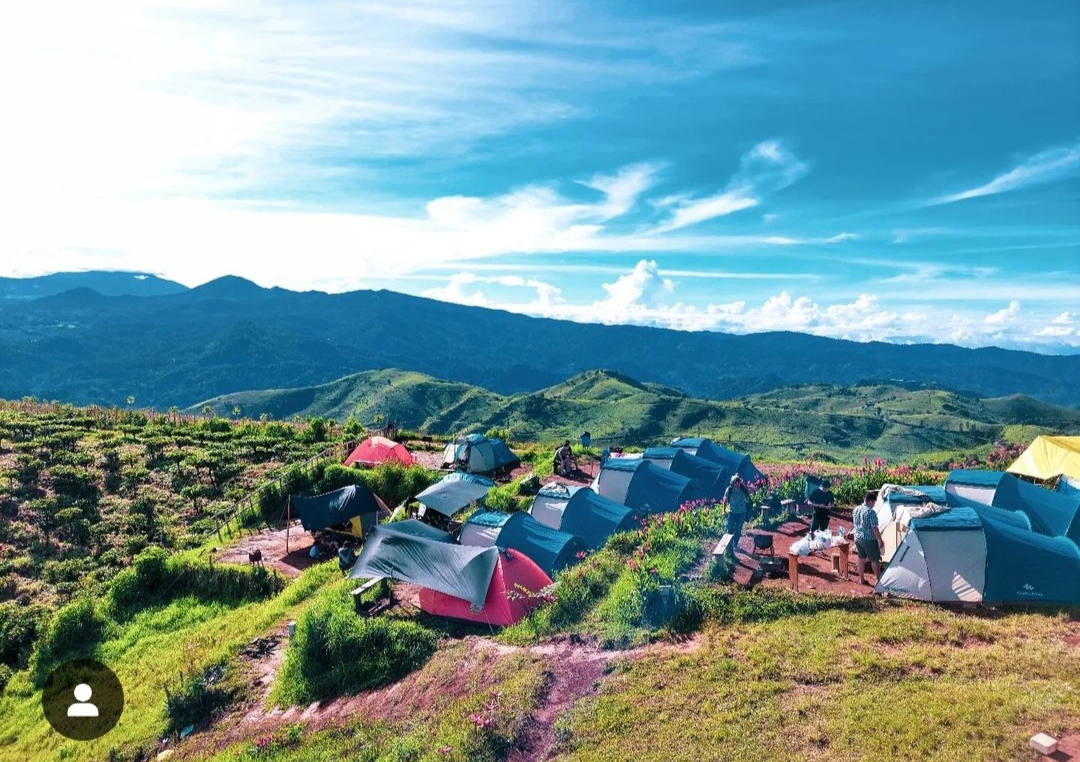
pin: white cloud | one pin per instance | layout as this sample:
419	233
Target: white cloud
1044	167
457	291
1004	316
766	168
643	287
841	237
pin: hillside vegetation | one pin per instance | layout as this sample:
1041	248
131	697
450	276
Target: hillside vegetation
844	423
110	525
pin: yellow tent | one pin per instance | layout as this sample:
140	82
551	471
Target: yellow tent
1048	457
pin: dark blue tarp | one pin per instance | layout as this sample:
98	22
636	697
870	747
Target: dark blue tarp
332	508
457	570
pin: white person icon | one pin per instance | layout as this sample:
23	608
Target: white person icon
82	706
98	699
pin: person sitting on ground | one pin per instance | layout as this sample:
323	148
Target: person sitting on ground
737	500
822	501
561	461
868	540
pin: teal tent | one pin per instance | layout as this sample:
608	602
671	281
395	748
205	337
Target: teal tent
981	554
644	487
478	454
580	511
1053	514
356	505
550	549
735	462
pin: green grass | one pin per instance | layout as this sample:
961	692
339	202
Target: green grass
153	649
466	705
908	682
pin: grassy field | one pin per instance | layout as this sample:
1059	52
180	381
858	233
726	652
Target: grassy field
905	682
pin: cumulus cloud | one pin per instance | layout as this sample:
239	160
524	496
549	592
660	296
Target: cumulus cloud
1004	316
765	169
1044	167
643	287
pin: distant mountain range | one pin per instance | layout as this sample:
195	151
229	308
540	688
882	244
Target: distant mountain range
118	335
841	422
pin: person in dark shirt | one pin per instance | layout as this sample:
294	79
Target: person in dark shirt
822	501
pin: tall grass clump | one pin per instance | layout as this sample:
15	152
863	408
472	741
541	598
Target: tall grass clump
156	578
577	592
75	632
334	653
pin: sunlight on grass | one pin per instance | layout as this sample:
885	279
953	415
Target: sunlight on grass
146	653
909	683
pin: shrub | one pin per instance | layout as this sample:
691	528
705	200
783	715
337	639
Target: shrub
156	578
196	696
334	653
75	631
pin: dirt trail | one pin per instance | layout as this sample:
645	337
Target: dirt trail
575	669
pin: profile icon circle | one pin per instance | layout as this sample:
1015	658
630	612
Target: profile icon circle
82	699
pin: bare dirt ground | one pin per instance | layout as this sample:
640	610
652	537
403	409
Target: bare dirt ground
815	571
272	543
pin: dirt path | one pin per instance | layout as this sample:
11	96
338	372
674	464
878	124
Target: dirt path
574	670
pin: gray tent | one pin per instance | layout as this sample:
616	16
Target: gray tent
450	496
428	558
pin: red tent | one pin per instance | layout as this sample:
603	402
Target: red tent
510	596
376	450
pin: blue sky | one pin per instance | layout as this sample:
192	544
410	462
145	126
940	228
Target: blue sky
867	170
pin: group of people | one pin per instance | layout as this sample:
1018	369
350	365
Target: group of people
869	543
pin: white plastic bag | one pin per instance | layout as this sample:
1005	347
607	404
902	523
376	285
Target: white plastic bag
801	547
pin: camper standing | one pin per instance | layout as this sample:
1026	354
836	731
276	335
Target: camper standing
737	500
822	500
868	541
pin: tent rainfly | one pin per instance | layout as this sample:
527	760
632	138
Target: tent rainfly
548	548
638	484
1047	457
478	454
355	504
449	497
376	450
474	584
1051	513
426	558
580	511
734	462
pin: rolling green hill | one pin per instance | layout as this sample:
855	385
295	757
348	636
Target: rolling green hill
882	419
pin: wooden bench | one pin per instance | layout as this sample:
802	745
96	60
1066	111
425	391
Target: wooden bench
358	593
721	548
